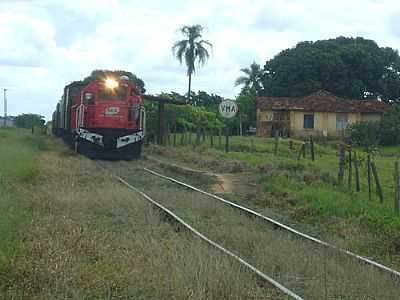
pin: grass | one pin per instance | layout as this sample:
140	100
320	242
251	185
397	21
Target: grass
308	191
310	271
69	231
18	153
91	238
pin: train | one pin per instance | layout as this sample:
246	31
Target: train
102	116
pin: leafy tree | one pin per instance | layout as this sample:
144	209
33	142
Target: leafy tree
186	117
246	101
190	49
151	117
390	127
190	117
29	120
349	67
201	98
247	108
102	74
209	101
173	96
252	78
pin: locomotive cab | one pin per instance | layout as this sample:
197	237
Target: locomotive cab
104	117
112	104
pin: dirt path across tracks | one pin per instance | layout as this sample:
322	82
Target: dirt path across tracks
223	182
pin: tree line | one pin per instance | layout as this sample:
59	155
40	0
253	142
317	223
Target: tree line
354	68
29	121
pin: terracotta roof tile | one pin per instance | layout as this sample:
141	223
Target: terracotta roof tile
322	101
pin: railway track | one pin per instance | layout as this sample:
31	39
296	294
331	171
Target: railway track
298	270
196	233
279	224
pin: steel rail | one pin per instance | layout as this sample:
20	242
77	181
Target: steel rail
207	240
281	225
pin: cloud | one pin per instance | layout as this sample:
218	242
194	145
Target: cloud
394	24
46	44
25	41
275	16
70	26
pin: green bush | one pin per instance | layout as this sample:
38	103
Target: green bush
364	134
29	121
385	132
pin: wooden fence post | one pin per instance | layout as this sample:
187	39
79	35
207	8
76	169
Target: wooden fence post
174	135
186	137
396	188
377	182
369	176
357	172
312	148
290	145
302	150
212	138
169	135
342	162
350	177
276	143
183	137
227	139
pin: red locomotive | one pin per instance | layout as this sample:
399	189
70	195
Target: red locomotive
102	116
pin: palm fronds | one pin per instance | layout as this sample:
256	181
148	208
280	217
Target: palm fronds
193	48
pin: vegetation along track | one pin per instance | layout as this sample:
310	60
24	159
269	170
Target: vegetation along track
279	225
312	271
181	222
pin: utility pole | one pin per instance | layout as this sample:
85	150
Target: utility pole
5	107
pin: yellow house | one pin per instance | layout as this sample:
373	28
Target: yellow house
319	114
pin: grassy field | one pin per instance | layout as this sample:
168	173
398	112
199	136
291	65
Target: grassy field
310	271
18	166
73	232
307	191
67	230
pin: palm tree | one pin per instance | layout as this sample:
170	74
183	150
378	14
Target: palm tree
191	49
251	79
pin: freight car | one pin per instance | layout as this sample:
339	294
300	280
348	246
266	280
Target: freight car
102	117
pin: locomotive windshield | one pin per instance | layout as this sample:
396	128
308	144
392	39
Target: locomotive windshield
119	93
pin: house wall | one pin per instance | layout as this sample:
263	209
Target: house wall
324	123
264	122
371	117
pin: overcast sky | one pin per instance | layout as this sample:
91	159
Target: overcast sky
45	44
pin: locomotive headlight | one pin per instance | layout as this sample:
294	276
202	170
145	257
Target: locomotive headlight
88	96
111	83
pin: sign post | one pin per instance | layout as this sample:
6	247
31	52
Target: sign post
227	109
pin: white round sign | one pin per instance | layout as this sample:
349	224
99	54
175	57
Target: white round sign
228	108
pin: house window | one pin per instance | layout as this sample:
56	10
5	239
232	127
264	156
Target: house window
309	121
341	121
